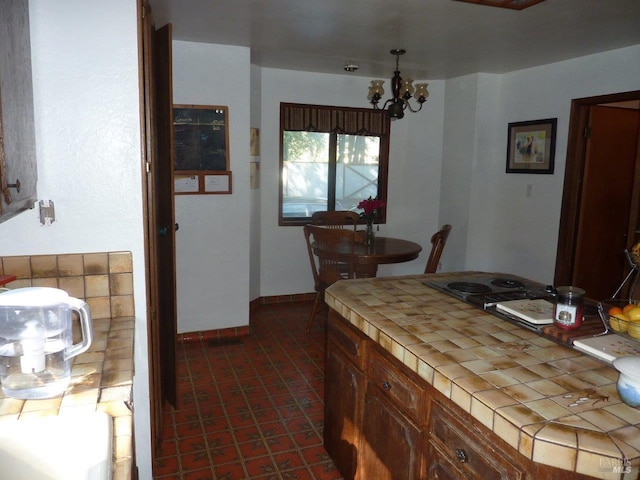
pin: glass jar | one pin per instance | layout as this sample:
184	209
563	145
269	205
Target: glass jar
569	308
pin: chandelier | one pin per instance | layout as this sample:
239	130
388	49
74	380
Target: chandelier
402	91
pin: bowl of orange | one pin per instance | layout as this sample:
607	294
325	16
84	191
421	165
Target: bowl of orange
622	316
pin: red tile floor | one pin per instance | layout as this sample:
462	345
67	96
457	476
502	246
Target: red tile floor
251	408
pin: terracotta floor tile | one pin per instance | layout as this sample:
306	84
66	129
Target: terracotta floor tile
250	408
281	443
203	474
244	434
220	438
192	444
166	465
195	460
224	454
230	471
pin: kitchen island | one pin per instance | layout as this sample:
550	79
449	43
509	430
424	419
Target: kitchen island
423	385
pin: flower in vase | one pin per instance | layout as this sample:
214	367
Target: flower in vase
370	207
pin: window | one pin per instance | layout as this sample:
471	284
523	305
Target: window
331	158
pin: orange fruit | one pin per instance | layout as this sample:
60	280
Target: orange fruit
615	310
628	307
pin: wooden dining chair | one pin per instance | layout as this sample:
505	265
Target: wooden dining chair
335	219
438	241
330	251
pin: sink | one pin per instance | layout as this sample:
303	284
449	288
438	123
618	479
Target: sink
74	446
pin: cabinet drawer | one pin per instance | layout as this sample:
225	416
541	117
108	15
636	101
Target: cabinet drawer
475	456
397	386
348	339
439	467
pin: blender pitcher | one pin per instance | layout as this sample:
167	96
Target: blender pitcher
36	340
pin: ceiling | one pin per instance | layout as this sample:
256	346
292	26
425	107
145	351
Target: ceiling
443	38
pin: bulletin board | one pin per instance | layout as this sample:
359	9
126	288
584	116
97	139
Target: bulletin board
201	149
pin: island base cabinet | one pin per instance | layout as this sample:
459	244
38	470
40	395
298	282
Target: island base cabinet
391	447
384	422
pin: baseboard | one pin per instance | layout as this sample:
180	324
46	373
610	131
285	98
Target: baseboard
295	297
214	335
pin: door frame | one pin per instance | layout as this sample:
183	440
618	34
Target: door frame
573	175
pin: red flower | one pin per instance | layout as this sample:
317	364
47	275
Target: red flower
370	207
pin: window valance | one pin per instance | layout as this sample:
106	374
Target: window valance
320	118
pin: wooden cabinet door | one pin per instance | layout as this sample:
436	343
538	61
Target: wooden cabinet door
391	441
341	412
18	166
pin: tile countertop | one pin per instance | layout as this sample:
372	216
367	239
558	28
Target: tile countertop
101	380
553	404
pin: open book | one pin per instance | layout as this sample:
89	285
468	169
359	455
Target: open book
608	347
538	311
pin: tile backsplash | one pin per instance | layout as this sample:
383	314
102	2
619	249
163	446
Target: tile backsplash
103	280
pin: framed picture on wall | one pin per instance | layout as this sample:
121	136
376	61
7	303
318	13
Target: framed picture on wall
531	147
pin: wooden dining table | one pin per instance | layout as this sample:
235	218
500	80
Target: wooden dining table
384	250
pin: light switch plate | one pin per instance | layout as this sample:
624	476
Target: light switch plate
47	212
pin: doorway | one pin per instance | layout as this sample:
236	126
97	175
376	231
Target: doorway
601	197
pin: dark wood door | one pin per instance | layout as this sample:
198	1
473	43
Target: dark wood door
383	458
159	212
572	209
341	412
165	215
606	199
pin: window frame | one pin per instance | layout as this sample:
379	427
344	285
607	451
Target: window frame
335	120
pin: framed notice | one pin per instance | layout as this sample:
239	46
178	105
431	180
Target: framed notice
532	146
201	138
201	182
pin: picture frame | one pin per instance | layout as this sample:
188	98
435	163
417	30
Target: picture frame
199	182
531	146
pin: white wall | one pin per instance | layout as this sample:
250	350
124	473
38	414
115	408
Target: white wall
414	174
213	242
507	231
87	121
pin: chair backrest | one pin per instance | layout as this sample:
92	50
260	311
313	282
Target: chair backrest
334	248
438	241
335	219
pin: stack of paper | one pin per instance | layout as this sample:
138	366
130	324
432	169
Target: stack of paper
538	312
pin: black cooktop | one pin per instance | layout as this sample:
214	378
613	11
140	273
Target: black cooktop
486	291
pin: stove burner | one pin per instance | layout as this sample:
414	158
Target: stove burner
507	283
469	287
